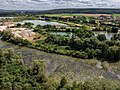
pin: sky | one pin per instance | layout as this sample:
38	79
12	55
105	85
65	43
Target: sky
56	4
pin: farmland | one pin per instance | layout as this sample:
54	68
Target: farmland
88	15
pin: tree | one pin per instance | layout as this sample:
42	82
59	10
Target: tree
76	44
2	58
110	42
103	47
28	25
6	35
92	43
92	85
91	53
113	53
38	71
97	22
77	86
63	82
38	26
101	37
116	37
109	84
18	25
114	29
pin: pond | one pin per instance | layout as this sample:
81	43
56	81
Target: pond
62	33
40	22
108	35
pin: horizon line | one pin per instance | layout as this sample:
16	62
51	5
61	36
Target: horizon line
53	9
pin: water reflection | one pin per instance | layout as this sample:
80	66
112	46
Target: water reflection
108	35
40	22
62	33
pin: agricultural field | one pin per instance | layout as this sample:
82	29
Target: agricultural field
116	15
71	15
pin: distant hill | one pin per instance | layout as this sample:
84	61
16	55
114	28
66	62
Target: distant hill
17	12
84	10
68	10
1	10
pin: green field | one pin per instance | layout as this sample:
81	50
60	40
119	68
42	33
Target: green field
63	14
70	15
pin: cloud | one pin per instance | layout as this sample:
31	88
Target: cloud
55	4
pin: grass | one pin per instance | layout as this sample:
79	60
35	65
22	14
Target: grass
87	61
63	15
72	24
111	66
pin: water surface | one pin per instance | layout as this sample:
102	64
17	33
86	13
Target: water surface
62	33
40	22
108	35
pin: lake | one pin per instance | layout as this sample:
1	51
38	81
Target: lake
108	35
40	22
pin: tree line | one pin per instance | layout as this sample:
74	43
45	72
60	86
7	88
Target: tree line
83	44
